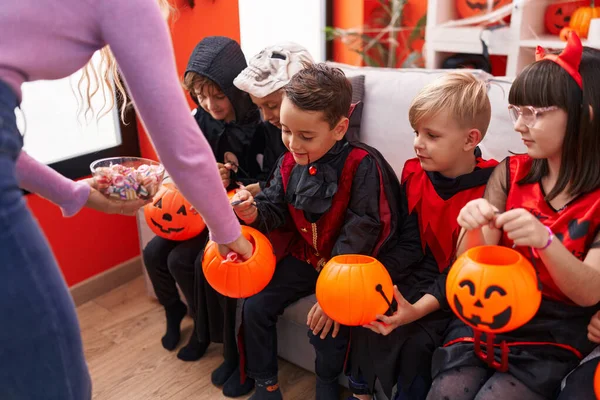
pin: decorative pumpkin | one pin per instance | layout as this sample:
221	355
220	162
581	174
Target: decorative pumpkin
558	15
471	8
493	289
564	33
171	216
354	289
580	20
240	279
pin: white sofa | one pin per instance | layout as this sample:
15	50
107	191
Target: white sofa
387	97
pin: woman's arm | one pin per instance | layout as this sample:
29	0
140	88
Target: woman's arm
139	39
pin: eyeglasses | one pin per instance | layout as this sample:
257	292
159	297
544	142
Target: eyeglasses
527	113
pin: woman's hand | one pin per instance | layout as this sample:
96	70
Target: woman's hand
241	246
100	202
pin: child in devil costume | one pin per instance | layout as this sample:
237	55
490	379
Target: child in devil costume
545	204
340	198
450	117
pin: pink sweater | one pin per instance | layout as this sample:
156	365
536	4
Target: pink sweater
51	39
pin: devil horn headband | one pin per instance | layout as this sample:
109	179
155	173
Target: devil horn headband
569	59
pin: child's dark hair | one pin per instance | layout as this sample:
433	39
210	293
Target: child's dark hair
319	87
195	83
545	84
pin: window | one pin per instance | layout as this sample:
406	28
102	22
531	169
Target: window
56	134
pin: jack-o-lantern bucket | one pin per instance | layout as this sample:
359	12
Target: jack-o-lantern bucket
471	8
493	289
240	279
171	216
354	289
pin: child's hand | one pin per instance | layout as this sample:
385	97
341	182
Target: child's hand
318	321
225	172
405	314
476	214
244	207
254	189
523	228
594	328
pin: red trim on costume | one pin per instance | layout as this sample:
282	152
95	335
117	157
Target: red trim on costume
511	344
438	226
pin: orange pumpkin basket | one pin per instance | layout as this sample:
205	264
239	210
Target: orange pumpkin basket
240	279
493	289
354	289
171	216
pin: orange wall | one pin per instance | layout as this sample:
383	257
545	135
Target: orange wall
92	242
347	14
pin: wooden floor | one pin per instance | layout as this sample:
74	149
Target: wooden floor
121	335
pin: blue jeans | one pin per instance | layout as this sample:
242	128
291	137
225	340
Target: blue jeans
41	354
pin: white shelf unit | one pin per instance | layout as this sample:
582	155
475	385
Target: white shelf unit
517	40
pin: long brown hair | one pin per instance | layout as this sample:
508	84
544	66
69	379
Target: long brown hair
545	84
97	77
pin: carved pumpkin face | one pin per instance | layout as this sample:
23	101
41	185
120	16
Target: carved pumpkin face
240	279
493	289
558	15
471	8
354	289
171	216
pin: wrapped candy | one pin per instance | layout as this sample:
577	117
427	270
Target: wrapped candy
128	183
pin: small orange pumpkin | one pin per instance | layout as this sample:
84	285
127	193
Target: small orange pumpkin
171	216
580	20
558	15
564	33
493	289
240	279
471	8
353	289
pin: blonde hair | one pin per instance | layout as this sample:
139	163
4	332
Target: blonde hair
461	93
96	78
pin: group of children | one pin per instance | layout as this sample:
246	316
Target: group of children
301	181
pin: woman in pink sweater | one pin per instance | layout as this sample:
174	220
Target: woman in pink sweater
40	344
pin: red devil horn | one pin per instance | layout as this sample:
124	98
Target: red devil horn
571	55
540	53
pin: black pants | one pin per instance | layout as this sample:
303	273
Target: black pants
169	263
580	384
215	316
293	279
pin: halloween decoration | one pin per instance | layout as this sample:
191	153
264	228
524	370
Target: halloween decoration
127	178
171	216
354	289
558	15
236	279
580	20
493	289
471	8
469	61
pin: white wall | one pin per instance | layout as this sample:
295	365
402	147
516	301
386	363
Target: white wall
266	22
49	121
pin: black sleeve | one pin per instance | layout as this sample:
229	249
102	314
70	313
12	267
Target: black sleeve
406	252
362	225
272	208
438	287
